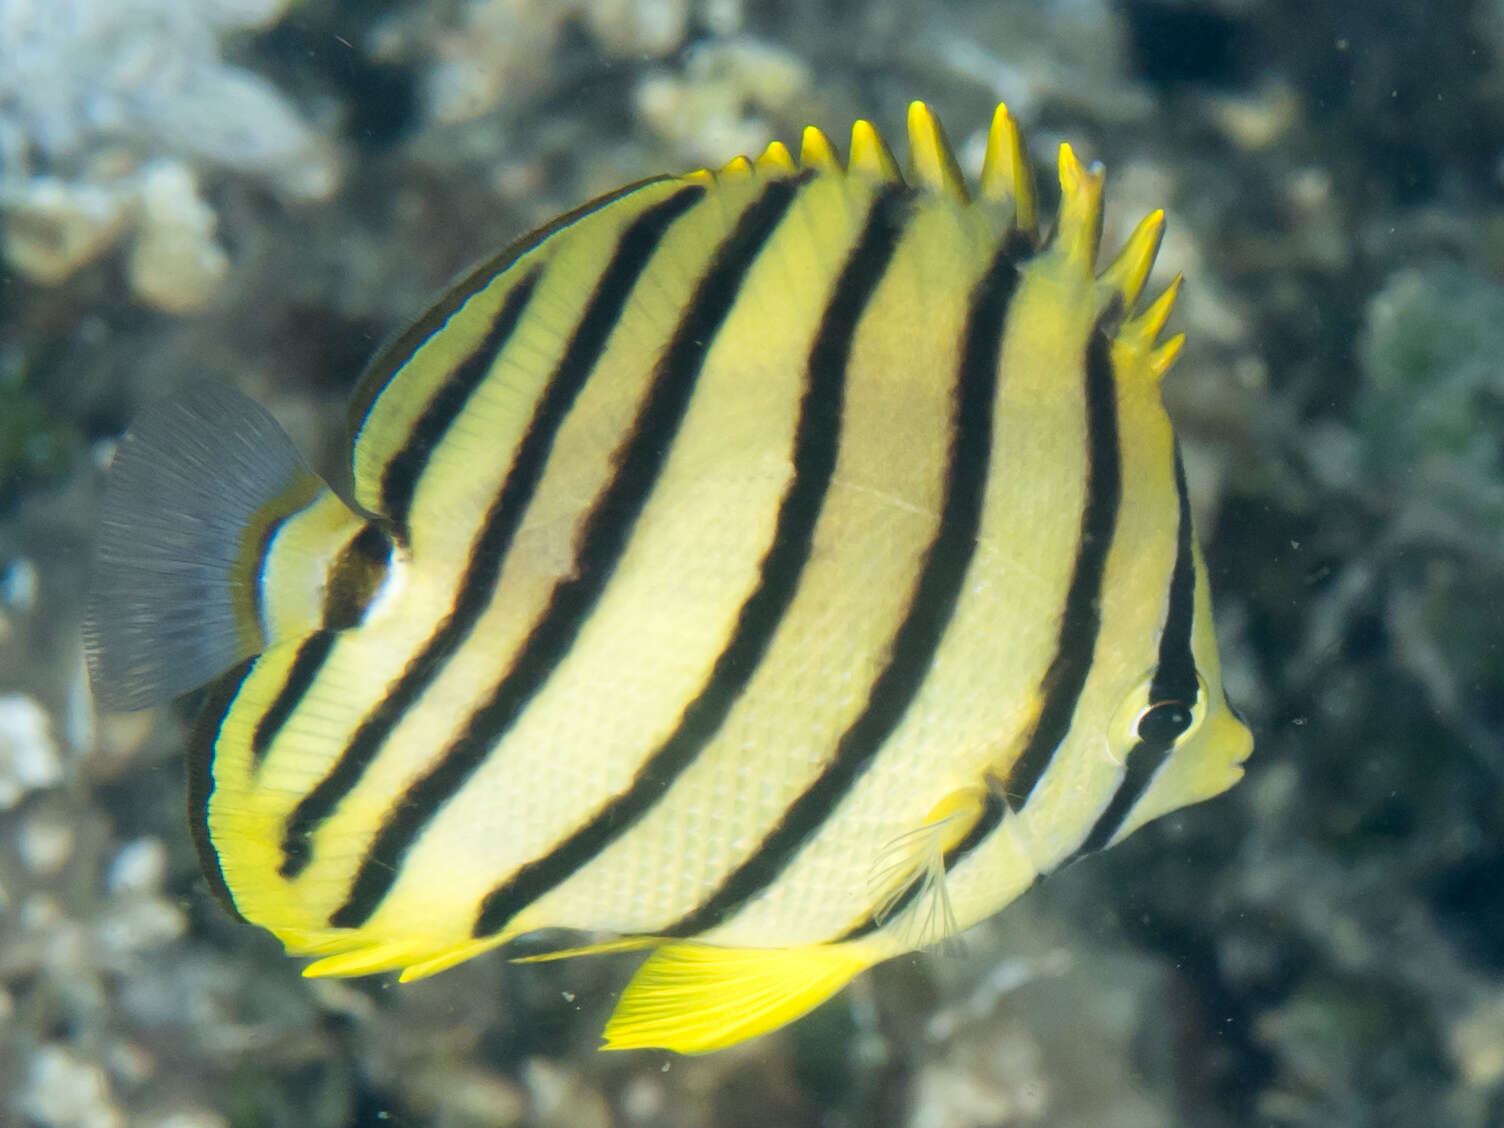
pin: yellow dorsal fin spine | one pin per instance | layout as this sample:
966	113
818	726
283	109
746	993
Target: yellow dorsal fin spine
816	151
1078	228
1140	332
1130	270
932	163
737	168
776	158
1163	357
870	155
1006	176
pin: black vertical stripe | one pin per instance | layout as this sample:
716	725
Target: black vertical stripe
312	653
603	539
399	481
355	575
488	551
918	637
201	778
1065	677
815	446
1175	677
1174	681
395	355
1081	617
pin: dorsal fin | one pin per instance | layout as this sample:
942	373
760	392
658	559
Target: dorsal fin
932	164
776	158
1078	227
816	151
870	155
1006	176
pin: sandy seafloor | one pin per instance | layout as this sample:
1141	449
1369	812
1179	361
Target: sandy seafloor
259	193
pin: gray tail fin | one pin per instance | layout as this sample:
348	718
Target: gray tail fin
198	485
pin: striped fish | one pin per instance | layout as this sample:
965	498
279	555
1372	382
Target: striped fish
777	567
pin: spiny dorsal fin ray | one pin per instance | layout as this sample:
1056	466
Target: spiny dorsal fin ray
776	159
1139	333
932	164
870	155
1078	227
1006	180
816	152
737	168
1130	270
1163	357
1006	175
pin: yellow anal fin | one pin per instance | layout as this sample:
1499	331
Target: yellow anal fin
694	998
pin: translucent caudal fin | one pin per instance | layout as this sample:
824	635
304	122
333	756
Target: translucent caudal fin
198	484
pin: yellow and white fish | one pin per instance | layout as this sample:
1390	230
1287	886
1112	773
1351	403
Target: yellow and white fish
779	567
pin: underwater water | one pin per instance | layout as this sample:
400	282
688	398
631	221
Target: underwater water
262	192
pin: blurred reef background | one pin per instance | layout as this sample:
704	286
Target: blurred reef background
260	191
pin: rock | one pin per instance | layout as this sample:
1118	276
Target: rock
53	227
29	756
61	1091
175	263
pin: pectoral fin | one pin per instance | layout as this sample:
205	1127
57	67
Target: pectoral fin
908	877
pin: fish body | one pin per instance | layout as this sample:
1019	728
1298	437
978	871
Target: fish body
778	567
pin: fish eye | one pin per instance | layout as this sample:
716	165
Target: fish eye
1163	722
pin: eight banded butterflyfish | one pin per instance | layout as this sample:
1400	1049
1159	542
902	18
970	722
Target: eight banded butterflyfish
776	567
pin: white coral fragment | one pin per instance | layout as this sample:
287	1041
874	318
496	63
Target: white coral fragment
175	263
29	756
53	227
